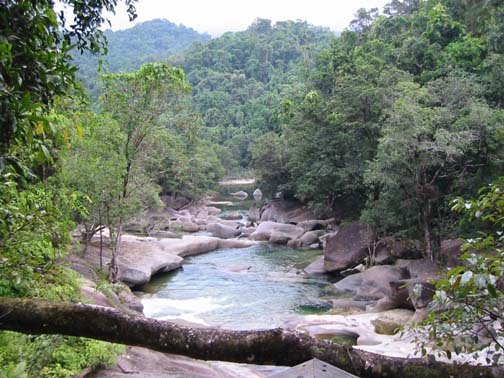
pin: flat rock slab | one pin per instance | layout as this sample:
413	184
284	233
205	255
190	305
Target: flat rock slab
314	368
141	362
142	257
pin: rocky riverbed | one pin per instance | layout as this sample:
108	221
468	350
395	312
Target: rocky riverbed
368	306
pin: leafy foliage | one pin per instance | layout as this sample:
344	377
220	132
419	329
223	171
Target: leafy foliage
36	209
35	64
402	109
467	312
52	356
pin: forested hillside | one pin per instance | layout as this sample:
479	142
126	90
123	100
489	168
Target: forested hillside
402	114
127	50
240	79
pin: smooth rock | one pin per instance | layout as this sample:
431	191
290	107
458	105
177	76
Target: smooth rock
190	227
347	248
350	304
278	237
317	224
391	249
372	284
247	231
310	237
139	362
285	212
258	194
265	230
212	210
241	195
316	267
390	322
222	231
164	234
294	243
421	268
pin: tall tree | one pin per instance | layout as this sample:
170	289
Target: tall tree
136	101
36	65
426	149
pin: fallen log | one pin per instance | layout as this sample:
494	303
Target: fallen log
275	346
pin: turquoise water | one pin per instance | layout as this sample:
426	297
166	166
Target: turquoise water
257	287
249	288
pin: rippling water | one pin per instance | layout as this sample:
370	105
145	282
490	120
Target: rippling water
256	287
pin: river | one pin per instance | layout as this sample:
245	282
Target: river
257	287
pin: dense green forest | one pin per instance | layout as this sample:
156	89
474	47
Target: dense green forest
238	79
398	121
403	113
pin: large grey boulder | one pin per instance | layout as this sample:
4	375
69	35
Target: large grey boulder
139	261
247	231
265	230
190	227
223	231
278	237
421	268
413	292
372	284
212	210
285	212
347	248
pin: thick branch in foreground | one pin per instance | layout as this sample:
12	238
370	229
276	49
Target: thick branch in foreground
276	346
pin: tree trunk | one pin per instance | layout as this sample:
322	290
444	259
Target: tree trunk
275	346
116	250
427	233
101	237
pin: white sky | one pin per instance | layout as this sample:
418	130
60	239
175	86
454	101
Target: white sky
218	16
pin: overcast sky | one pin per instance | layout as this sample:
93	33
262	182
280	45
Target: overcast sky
218	16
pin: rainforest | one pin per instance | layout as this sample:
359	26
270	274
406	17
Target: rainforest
179	204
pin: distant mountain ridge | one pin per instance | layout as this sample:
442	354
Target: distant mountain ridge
128	49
